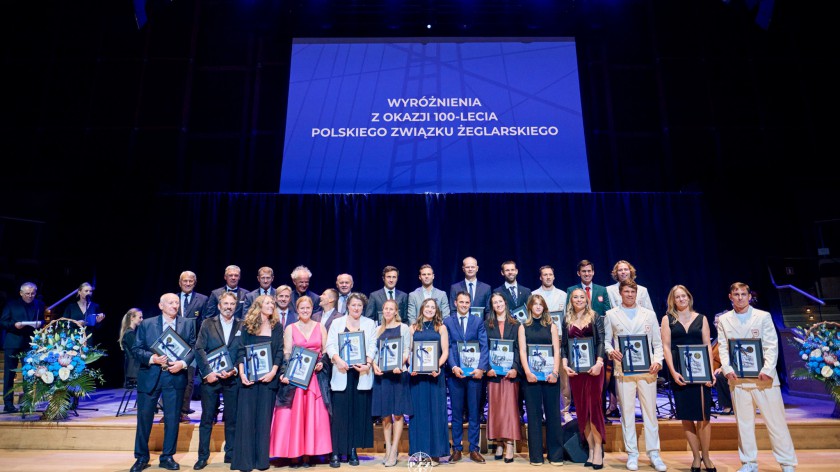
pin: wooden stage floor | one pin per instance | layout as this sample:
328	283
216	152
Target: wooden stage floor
99	441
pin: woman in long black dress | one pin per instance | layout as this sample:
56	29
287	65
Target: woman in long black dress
256	399
130	320
693	402
391	395
541	395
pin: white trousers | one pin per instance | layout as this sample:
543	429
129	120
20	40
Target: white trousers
769	401
627	387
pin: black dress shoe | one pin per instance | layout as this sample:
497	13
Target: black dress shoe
335	461
353	458
169	464
139	465
228	460
200	464
10	409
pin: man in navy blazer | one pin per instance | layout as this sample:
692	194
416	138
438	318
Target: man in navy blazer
265	278
515	294
217	332
160	376
286	311
232	276
25	309
465	389
192	305
479	291
300	279
373	310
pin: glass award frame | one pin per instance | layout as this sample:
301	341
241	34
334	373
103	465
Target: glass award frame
219	360
746	357
390	354
520	314
501	355
425	356
171	345
477	311
582	356
694	362
469	354
351	348
540	360
301	366
635	352
258	360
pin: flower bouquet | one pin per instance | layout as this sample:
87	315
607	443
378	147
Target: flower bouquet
819	348
56	369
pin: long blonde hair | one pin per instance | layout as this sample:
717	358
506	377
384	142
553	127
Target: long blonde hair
588	313
397	318
126	323
253	320
545	318
672	302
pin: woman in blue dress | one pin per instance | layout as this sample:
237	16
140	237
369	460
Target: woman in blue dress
429	431
391	394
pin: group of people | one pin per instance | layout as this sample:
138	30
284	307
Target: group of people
333	415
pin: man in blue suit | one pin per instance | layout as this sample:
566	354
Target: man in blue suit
479	291
232	275
18	320
265	277
390	275
465	389
160	376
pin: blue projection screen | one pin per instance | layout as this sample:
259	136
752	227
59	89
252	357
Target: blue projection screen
450	115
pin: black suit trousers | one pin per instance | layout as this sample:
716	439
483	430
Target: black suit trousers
146	404
229	390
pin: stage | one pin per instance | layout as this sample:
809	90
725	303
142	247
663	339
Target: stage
98	440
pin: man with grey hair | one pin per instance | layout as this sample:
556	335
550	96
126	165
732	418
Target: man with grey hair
300	279
265	277
232	275
192	304
20	318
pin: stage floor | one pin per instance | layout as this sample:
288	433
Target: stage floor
110	461
97	440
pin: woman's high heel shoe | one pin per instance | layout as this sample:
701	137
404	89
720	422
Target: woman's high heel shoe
708	469
508	460
498	456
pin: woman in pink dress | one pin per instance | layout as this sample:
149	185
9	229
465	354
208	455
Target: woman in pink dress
301	425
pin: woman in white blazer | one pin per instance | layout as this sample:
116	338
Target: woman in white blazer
351	384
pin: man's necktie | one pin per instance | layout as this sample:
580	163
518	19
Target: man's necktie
186	304
472	295
588	294
513	294
390	294
283	319
464	324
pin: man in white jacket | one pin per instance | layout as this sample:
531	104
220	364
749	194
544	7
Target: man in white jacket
631	319
746	322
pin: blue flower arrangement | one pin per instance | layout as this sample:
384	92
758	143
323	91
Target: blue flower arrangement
819	348
56	368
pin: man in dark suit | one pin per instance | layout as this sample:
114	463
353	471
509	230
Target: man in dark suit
217	332
300	279
597	294
344	286
192	304
390	275
160	376
479	291
515	294
283	300
465	389
265	277
328	308
232	275
19	319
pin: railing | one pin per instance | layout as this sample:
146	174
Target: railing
50	308
794	288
